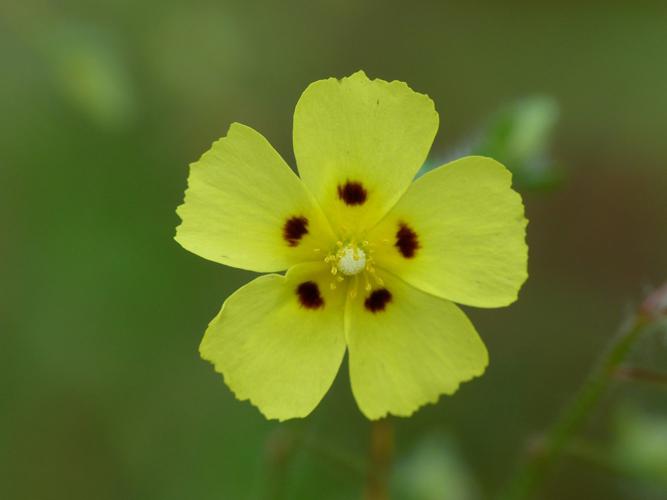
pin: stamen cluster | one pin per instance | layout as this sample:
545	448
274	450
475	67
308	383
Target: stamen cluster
352	259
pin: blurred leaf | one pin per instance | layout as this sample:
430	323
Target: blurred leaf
640	445
519	136
433	471
90	73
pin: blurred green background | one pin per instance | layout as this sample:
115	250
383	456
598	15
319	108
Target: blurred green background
104	104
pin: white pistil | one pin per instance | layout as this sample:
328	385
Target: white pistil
352	260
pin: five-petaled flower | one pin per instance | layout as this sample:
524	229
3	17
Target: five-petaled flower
374	261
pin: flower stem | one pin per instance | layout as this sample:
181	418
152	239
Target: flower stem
381	456
535	469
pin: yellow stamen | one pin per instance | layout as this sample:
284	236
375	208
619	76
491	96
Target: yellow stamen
355	285
368	286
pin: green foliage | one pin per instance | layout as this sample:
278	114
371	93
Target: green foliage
520	136
433	470
90	73
639	447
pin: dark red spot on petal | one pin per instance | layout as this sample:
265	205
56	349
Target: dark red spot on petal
406	241
294	229
377	301
309	295
352	193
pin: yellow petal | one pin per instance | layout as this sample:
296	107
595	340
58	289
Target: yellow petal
279	341
458	233
407	347
359	143
245	208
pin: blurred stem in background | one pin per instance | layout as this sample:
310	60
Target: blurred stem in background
535	469
380	460
284	442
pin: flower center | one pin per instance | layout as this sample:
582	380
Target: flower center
355	260
351	260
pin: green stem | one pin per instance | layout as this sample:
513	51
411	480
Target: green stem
534	471
381	456
336	456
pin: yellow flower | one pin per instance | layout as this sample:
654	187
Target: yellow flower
374	261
